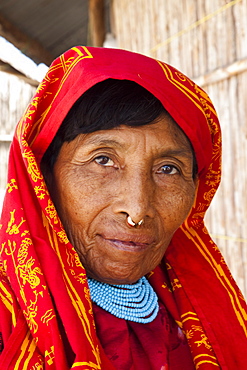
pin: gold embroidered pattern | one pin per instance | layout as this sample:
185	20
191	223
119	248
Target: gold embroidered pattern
87	296
37	366
32	166
203	341
12	185
176	284
190	333
50	355
31	312
41	190
49	315
81	278
165	286
51	211
63	237
23	250
29	274
13	228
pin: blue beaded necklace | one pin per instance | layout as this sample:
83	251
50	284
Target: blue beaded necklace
134	302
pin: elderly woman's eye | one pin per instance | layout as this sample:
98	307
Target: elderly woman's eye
103	160
168	170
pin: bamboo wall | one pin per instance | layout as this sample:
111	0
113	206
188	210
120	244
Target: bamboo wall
14	97
207	40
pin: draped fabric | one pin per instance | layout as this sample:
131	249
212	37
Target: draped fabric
160	344
45	304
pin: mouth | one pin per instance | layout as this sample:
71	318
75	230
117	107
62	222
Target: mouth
129	243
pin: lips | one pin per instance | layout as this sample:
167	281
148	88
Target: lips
129	242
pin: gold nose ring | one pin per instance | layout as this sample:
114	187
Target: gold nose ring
132	223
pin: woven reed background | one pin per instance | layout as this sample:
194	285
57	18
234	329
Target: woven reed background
14	97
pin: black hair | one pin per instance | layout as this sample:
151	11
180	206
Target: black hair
106	105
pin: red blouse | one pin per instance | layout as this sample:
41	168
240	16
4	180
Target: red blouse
159	345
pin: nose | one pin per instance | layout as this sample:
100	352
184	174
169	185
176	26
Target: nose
136	196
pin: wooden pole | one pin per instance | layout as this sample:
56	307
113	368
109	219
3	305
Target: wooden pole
222	73
5	67
24	43
97	22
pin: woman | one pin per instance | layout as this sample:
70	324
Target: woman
106	264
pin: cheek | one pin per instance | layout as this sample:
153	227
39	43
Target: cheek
74	192
175	204
79	203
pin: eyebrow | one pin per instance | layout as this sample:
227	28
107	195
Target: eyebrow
177	152
180	152
107	142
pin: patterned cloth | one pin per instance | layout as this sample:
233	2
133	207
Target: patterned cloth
45	304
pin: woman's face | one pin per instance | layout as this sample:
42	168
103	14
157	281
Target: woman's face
102	177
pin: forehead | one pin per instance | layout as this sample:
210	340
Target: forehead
163	135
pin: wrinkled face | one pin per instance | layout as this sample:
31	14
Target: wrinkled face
102	177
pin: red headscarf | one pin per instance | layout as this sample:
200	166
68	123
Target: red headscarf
45	302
